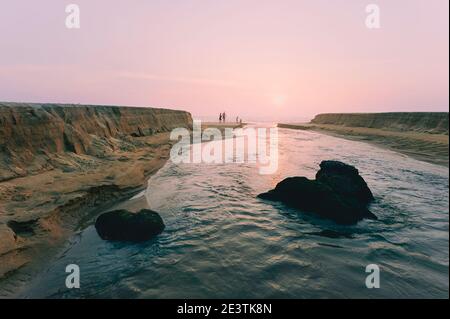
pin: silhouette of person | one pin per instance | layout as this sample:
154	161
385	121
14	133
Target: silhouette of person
224	116
220	118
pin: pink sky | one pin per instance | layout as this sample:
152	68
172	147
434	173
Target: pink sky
254	58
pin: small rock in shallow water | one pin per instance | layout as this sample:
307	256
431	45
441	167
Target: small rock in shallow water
122	225
339	193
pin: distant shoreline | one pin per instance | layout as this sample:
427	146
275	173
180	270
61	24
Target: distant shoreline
427	147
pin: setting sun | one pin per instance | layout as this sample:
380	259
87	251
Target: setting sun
279	100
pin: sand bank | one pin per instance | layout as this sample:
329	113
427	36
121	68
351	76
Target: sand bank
423	142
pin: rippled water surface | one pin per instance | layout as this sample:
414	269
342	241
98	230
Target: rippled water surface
222	242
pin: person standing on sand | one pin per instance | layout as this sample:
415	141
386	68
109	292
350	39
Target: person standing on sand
223	116
220	118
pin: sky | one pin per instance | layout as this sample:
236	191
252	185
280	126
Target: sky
257	59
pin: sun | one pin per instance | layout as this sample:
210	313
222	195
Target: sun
279	100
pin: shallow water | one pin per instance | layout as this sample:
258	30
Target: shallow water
221	241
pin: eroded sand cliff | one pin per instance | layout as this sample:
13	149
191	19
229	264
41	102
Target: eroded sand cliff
32	134
60	164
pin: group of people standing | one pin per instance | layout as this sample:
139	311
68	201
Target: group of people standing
223	116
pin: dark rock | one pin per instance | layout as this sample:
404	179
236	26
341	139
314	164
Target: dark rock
123	225
345	180
324	197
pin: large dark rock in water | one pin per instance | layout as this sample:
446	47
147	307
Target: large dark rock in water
123	225
345	180
339	193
